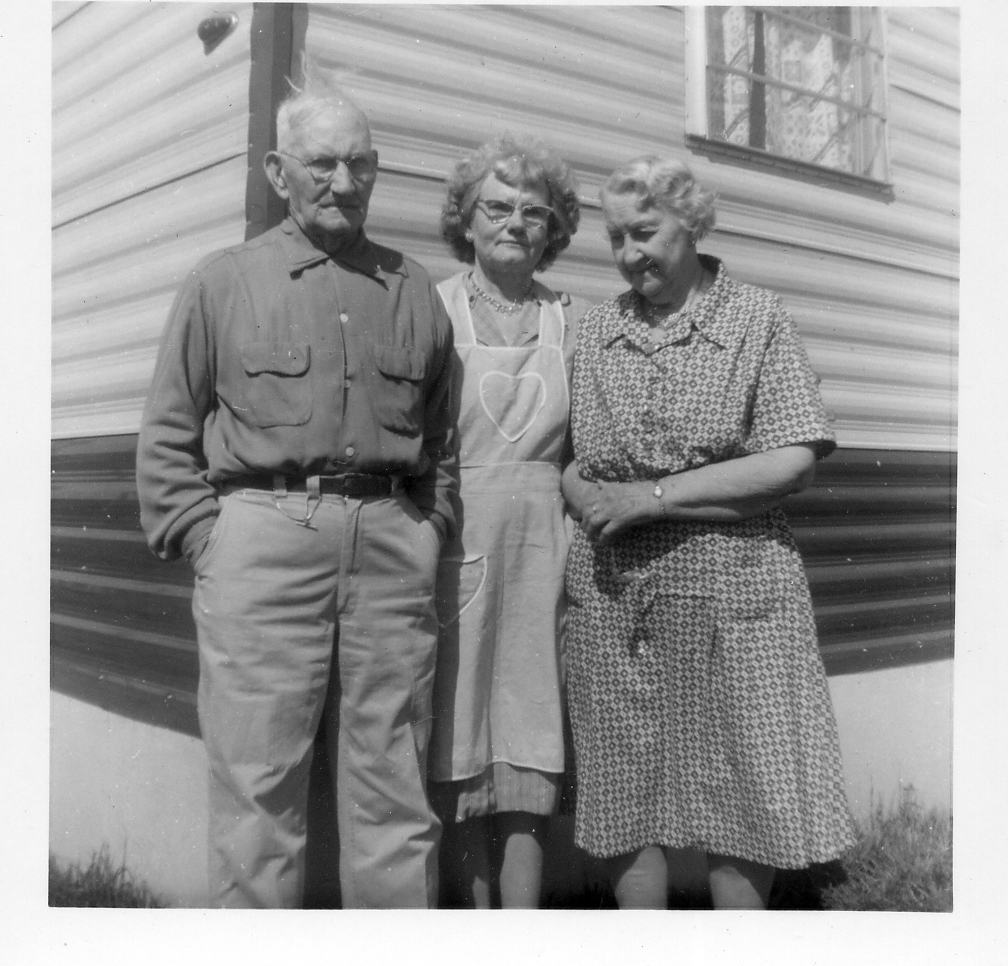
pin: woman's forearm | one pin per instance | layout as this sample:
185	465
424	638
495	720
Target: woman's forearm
738	488
577	491
720	492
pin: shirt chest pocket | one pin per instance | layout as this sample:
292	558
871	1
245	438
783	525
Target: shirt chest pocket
399	397
274	388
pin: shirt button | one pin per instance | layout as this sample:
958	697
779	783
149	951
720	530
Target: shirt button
343	317
350	451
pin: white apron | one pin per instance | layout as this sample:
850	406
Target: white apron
500	584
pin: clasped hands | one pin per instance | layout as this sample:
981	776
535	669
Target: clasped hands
606	510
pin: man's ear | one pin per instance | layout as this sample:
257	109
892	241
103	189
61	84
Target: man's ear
273	166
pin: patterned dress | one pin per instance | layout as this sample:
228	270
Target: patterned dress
699	704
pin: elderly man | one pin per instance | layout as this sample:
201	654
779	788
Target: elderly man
297	449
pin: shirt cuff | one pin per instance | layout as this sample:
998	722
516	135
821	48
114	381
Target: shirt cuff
195	540
440	523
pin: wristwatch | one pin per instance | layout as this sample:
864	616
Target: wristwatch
658	493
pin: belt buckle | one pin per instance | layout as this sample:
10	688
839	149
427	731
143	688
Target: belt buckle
350	484
332	482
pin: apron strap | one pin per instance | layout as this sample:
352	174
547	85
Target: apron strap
552	322
453	294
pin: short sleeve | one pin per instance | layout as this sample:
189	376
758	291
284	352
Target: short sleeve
788	408
574	309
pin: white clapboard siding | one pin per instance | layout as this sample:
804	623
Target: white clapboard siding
150	145
872	280
151	141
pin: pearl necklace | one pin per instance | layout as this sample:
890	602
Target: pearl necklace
515	306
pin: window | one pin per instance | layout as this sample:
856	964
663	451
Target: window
805	84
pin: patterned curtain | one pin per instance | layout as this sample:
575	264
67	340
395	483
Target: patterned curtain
778	120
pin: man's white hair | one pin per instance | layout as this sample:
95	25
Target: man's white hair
318	92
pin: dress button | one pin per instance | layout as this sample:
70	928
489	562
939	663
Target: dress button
350	451
343	317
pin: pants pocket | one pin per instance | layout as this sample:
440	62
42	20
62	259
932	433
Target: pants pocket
214	540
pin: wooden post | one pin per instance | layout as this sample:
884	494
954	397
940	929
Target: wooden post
272	56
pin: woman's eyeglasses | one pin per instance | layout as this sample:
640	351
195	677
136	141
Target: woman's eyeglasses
361	167
500	211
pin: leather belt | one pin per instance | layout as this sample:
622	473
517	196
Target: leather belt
343	484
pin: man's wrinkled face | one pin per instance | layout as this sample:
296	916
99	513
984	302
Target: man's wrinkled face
332	211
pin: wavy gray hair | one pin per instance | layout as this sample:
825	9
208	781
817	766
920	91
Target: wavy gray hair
664	183
517	161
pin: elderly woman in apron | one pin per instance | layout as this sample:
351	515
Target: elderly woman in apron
497	751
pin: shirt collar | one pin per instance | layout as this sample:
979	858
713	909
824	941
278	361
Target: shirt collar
362	256
705	317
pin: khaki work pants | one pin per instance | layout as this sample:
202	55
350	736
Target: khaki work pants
326	624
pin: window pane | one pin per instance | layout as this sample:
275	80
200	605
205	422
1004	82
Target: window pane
795	82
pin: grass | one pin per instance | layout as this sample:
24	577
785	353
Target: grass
101	883
902	863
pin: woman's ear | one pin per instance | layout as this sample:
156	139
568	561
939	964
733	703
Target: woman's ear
273	166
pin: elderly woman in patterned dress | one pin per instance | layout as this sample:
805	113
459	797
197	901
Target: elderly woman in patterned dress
699	704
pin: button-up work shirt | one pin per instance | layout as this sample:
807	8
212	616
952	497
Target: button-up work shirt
279	358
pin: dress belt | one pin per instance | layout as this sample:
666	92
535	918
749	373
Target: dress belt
342	484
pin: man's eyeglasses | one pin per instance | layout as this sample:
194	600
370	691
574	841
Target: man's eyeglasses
361	167
500	211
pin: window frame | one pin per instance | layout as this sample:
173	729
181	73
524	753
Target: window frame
699	140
